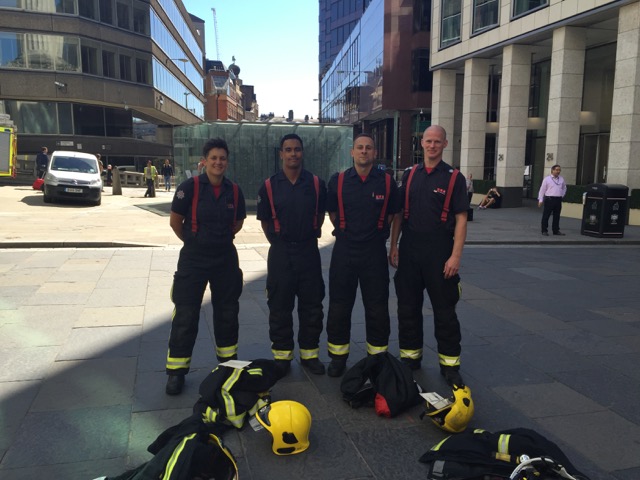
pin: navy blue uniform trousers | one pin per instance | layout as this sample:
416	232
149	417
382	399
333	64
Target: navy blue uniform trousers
421	265
198	266
294	270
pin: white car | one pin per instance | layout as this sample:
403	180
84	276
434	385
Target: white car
73	176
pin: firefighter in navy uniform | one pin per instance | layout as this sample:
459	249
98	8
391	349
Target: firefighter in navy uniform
206	212
291	208
434	228
361	202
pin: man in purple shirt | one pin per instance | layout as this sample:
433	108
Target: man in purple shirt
552	190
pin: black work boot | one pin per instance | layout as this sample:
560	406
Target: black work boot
413	364
283	367
174	384
337	367
452	377
313	365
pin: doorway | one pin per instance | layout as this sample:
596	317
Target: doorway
594	158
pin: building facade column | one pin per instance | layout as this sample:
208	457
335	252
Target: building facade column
565	101
624	148
512	135
474	117
443	105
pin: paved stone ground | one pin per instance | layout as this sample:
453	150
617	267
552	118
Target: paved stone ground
551	341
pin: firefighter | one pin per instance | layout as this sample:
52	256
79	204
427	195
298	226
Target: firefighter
206	212
434	228
361	202
291	208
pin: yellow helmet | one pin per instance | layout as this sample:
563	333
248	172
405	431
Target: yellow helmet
455	417
289	423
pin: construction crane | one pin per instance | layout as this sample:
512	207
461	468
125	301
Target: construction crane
215	32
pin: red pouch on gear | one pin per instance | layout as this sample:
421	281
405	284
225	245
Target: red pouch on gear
382	409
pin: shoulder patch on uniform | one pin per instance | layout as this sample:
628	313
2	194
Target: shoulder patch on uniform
180	194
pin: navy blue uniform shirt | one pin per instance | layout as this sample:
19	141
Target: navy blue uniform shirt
363	202
215	216
295	205
426	198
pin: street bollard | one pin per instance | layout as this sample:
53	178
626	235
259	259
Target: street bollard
116	185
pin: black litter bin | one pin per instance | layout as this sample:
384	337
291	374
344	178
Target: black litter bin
605	210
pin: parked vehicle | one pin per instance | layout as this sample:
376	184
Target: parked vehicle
73	176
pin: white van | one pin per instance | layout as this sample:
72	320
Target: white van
73	176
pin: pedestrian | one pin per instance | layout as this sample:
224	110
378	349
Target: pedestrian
150	175
492	199
433	222
109	175
206	213
361	202
470	187
167	173
552	190
291	208
42	160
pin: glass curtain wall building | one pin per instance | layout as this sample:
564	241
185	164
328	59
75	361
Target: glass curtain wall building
108	76
380	82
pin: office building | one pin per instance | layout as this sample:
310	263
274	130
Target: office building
522	85
109	76
380	82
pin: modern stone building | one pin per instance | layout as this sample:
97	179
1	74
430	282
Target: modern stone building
521	85
109	76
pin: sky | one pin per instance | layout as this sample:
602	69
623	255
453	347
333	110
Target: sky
275	43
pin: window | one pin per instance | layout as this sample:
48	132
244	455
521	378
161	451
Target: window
142	71
521	7
89	53
451	20
106	11
88	9
65	6
422	79
11	54
141	19
125	67
485	14
108	64
123	12
421	15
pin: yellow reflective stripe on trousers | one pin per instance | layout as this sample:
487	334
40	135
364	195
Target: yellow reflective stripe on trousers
338	349
210	415
175	455
503	444
226	352
175	363
447	361
412	354
437	446
229	403
374	350
282	354
307	354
